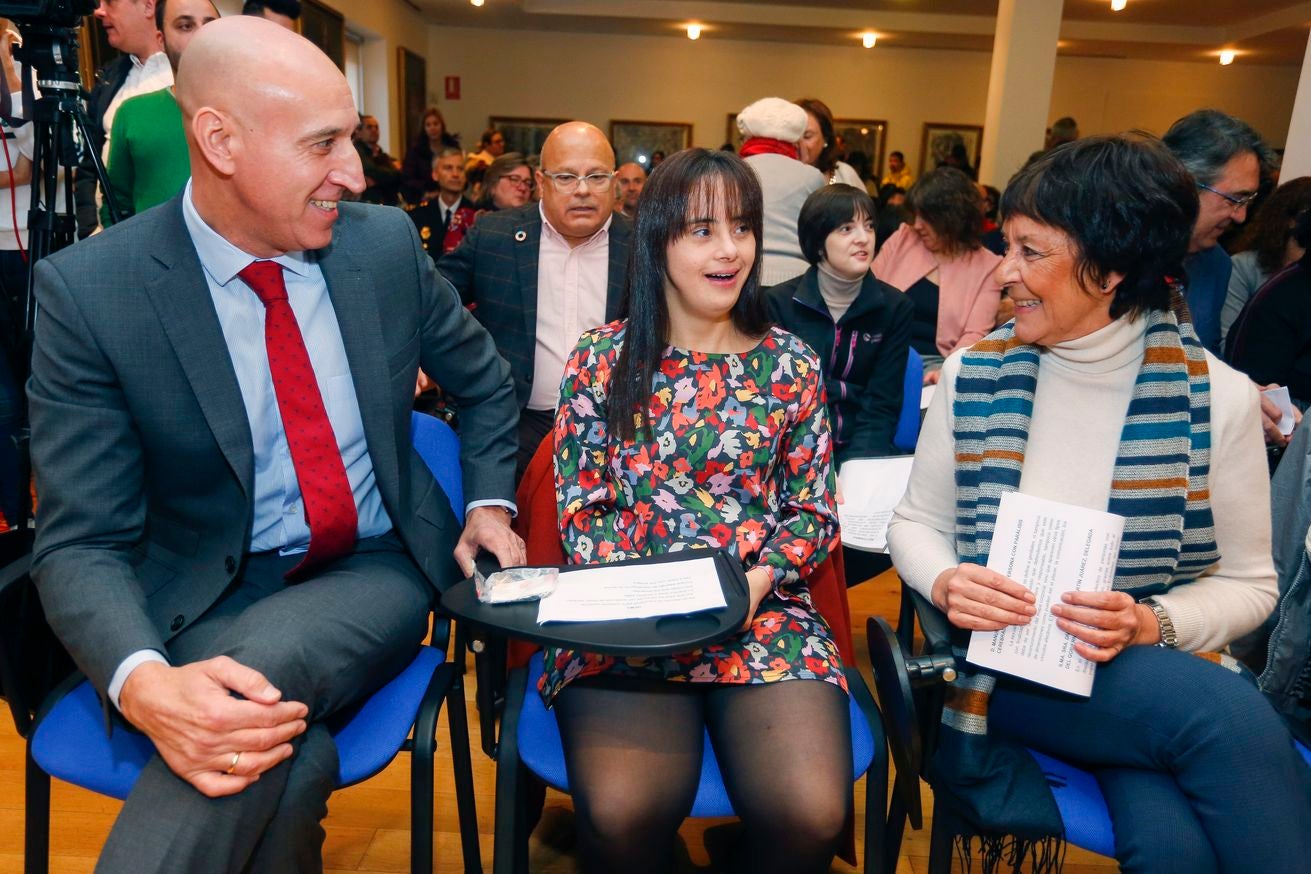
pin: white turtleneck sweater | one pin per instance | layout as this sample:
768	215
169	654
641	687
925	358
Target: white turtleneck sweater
1083	393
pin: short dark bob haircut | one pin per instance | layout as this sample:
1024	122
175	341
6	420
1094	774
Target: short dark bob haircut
1127	204
948	201
826	210
688	185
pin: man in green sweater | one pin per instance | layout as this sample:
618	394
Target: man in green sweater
148	162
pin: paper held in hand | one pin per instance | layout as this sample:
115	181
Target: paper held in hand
871	490
1050	548
633	590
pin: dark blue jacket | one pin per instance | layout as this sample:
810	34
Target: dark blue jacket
863	355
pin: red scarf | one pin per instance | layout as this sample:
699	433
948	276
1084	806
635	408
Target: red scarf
767	146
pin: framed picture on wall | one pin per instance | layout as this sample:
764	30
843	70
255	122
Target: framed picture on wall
326	28
412	74
941	137
637	140
522	135
865	140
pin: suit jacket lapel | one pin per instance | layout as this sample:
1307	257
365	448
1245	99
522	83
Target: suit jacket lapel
526	240
621	231
358	316
182	300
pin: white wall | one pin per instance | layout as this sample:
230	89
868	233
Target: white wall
599	77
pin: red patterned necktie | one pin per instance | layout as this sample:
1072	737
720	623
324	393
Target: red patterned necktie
325	490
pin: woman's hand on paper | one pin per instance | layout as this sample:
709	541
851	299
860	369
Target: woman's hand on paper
760	582
976	598
1105	624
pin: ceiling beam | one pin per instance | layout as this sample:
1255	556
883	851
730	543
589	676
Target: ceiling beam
1296	15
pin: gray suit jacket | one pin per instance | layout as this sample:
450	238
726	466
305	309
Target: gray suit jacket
141	446
495	271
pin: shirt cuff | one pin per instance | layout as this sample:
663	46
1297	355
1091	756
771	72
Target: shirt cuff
492	502
126	667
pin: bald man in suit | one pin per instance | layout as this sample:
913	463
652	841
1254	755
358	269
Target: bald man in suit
235	538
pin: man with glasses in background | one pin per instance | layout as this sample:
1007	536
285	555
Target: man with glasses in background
1227	159
540	275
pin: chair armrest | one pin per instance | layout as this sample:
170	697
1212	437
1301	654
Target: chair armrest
933	622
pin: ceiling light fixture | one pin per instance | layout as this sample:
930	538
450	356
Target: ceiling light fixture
476	2
694	31
1227	57
1118	5
868	40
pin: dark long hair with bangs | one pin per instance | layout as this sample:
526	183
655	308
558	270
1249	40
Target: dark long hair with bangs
1128	205
687	185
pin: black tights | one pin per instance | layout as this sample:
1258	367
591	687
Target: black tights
633	754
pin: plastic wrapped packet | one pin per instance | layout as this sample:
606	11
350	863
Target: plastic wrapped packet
515	584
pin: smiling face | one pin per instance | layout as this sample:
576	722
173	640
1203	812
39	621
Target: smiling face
578	149
1239	178
1038	273
811	145
849	248
707	266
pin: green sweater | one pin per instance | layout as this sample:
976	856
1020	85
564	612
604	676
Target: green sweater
148	161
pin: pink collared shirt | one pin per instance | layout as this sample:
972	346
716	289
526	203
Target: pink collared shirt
571	287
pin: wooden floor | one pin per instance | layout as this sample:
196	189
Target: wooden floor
368	824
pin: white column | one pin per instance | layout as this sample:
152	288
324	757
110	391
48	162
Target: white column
1019	86
1297	148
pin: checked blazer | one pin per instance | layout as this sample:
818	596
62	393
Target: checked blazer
495	271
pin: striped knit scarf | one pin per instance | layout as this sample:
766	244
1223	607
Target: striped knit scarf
994	791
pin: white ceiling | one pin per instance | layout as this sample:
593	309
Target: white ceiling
1262	31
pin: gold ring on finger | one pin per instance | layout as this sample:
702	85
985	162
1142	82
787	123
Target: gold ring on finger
236	757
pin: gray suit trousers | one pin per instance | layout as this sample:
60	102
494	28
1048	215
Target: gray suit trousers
329	642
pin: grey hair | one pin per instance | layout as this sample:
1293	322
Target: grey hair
446	152
1208	139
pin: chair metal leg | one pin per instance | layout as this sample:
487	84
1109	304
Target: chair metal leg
510	855
893	831
36	846
458	718
876	804
422	753
941	839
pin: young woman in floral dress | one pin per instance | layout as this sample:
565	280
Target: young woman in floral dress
692	423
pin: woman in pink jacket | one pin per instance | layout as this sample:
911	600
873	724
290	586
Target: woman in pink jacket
939	262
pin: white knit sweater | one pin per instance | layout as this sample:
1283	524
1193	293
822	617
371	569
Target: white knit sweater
1083	393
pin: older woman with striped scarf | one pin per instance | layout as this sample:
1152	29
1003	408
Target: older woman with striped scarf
1099	394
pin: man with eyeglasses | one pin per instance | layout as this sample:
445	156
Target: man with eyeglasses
1227	159
540	275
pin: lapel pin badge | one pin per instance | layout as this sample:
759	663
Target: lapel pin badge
520	236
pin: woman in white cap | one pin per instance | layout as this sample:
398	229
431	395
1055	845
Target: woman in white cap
772	127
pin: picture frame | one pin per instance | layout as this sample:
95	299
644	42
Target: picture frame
326	28
412	77
635	141
866	136
522	135
939	137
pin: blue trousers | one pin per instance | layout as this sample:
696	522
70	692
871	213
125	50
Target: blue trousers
1199	772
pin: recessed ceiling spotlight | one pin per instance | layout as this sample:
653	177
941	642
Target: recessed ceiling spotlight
1118	5
475	2
694	31
868	40
1227	57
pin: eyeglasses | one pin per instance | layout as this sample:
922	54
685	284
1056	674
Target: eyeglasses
1235	203
567	183
519	181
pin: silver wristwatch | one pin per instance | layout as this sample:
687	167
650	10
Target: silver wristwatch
1168	636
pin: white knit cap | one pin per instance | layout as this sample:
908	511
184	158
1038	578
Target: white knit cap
773	117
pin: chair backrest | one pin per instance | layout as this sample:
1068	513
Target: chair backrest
439	447
908	424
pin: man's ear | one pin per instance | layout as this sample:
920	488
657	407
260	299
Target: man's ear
218	139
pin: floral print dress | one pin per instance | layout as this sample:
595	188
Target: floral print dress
740	458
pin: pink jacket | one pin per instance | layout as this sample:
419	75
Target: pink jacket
968	296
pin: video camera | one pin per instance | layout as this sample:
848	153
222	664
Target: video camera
51	13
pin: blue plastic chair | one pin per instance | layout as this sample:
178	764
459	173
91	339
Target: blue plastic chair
69	740
908	424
